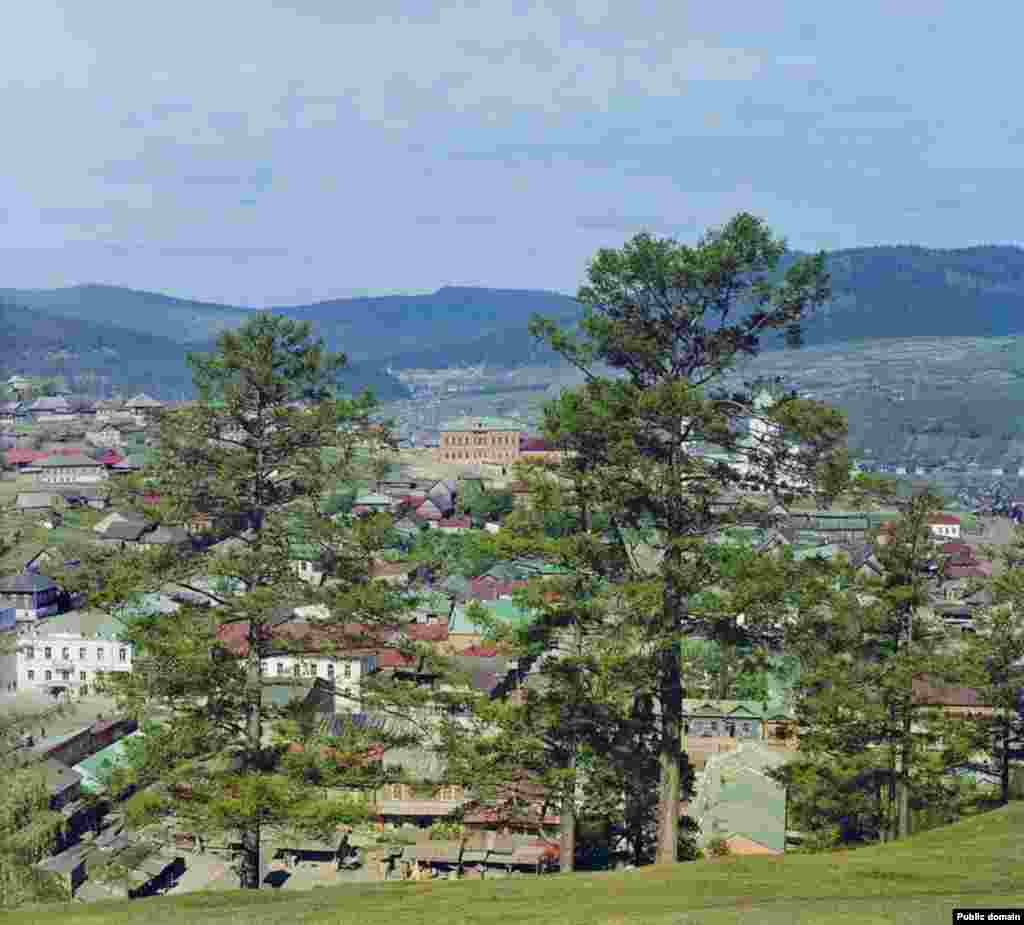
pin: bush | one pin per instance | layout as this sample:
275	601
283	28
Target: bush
718	848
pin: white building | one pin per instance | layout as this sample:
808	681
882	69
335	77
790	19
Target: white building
345	671
945	526
71	651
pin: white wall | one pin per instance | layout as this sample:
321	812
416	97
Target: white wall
82	657
347	674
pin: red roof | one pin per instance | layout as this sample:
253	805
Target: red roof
956	548
943	519
24	455
480	652
426	632
456	522
392	658
966	571
534	444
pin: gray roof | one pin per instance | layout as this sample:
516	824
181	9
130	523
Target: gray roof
25	583
142	400
30	500
166	534
54	403
126	530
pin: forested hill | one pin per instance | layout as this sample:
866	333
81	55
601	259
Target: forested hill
911	291
879	292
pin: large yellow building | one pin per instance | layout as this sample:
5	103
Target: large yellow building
480	440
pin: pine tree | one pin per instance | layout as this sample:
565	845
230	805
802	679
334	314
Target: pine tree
670	320
869	741
995	661
254	457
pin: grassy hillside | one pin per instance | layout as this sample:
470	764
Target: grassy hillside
979	862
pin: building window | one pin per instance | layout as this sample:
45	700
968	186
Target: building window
65	653
82	676
31	674
296	669
122	655
280	667
99	654
30	653
66	675
348	669
330	670
81	654
49	675
47	652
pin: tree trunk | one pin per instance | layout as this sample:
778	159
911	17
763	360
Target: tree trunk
567	835
249	871
670	751
904	780
1004	763
249	874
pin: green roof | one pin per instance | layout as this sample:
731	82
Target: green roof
726	708
94	768
827	551
505	611
84	623
480	423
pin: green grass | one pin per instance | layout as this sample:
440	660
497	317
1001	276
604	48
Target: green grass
978	862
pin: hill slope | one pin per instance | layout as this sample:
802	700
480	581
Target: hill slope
978	862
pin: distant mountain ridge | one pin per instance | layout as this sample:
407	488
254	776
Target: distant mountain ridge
879	292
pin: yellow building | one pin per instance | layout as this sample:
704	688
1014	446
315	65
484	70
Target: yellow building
476	440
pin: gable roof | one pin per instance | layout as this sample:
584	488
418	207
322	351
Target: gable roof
35	499
126	530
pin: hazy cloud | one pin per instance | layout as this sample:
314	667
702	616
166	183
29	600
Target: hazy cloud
315	139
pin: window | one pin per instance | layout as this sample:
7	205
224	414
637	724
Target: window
66	675
47	652
393	792
122	655
81	653
83	676
49	675
348	669
280	667
31	674
330	670
99	654
65	653
30	653
296	669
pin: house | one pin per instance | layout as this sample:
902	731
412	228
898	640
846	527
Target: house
298	649
108	409
94	496
453	524
13	412
945	526
121	532
733	719
65	468
71	652
38	502
54	408
143	408
22	457
166	535
32	596
107	435
429	511
373	503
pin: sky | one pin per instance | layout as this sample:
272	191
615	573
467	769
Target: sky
278	152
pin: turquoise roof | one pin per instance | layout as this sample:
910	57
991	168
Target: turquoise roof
94	768
506	611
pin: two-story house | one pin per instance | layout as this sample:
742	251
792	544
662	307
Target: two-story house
71	651
51	408
144	408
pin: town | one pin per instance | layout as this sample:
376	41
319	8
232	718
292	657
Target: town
70	452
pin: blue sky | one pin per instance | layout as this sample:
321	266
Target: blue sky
269	153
